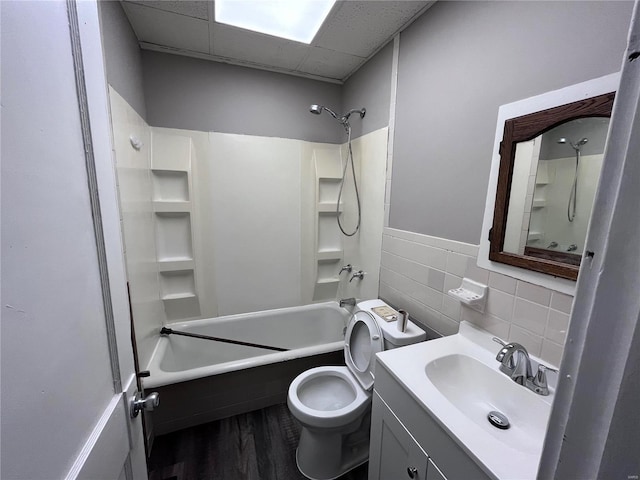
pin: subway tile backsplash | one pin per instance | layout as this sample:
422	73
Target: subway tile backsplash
418	270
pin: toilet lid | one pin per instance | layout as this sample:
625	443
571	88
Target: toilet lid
363	340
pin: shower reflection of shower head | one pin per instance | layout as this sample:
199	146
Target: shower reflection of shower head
577	145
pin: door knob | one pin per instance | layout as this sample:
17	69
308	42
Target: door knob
148	403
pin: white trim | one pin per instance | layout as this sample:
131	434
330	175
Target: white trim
97	105
392	127
241	63
104	450
591	88
438	242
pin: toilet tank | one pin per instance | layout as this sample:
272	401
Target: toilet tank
393	338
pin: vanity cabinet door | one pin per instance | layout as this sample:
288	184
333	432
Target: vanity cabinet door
434	473
394	453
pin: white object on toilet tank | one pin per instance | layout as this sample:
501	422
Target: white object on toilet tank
393	337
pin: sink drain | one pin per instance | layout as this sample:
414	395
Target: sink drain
498	420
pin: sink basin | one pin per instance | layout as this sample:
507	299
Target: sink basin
457	380
475	390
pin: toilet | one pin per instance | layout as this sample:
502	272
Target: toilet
333	404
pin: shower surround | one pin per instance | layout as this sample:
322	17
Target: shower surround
218	224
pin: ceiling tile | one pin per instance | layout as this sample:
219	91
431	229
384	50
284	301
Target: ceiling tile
169	29
329	63
196	9
361	27
231	42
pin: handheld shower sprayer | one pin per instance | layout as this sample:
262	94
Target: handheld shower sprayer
344	121
571	206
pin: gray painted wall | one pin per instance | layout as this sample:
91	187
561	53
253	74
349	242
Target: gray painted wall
195	94
458	63
122	55
370	87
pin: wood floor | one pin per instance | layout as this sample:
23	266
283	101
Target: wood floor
259	445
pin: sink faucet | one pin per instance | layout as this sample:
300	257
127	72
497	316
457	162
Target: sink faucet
348	301
515	362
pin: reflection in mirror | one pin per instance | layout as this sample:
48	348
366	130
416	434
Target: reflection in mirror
548	172
554	181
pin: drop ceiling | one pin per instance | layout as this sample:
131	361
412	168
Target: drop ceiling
353	32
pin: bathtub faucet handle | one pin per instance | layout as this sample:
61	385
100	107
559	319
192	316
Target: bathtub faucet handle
346	268
359	274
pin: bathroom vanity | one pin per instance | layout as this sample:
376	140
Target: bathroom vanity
406	440
430	407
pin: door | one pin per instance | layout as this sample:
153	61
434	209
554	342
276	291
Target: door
67	362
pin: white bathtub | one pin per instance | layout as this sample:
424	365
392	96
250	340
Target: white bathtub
305	331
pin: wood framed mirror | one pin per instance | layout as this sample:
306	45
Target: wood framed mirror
549	169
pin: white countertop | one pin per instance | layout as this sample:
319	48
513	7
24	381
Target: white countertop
504	454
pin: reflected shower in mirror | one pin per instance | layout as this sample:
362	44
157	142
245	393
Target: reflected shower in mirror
555	176
548	172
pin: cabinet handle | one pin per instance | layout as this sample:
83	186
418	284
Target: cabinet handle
412	472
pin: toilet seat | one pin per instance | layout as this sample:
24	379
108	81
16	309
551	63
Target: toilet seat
362	341
310	412
334	396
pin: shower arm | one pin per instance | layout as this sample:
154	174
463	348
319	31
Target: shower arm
360	112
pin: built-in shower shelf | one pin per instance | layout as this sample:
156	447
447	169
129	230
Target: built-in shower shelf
534	236
539	203
331	178
171	207
178	296
328	207
175	265
325	281
329	255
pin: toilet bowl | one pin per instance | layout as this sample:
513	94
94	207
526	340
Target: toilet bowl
327	397
333	403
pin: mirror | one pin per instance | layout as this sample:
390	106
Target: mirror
550	163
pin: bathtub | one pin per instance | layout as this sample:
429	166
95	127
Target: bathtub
202	380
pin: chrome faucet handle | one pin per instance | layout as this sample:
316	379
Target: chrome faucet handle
539	382
359	274
348	267
514	362
503	351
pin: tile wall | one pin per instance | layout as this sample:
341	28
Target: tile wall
417	271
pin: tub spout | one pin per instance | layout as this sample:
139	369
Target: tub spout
348	301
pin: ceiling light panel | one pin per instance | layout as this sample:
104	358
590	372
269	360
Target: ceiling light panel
297	20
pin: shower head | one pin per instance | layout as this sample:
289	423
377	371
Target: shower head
577	145
317	110
343	119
